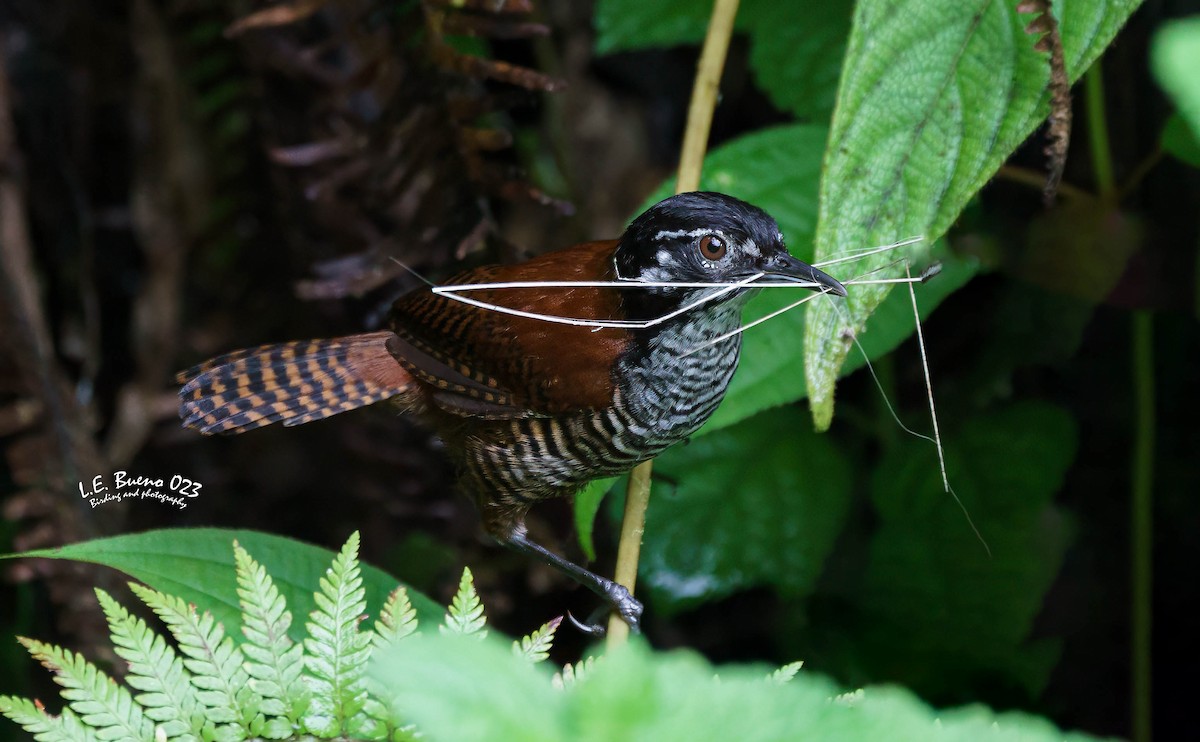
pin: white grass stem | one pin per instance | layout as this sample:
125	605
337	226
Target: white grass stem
869	252
933	416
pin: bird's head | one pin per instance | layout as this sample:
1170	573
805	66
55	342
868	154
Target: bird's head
703	237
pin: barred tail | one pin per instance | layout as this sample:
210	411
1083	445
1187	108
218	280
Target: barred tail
294	382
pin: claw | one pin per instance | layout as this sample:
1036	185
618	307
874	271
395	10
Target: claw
596	630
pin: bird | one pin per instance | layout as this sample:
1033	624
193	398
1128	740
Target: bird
530	408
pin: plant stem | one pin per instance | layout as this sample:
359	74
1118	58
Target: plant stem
1142	477
704	94
691	162
1142	523
1106	182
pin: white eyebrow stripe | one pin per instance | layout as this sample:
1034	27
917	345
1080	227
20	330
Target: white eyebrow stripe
670	234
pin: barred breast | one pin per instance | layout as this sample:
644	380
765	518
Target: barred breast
668	385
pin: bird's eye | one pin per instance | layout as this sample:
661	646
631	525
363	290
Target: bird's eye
712	248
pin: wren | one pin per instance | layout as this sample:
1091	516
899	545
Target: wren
531	409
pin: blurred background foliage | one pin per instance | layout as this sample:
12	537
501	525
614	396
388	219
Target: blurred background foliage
184	177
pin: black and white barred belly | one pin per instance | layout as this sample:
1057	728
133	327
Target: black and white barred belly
663	396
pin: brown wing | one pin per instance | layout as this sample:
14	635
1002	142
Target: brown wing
491	364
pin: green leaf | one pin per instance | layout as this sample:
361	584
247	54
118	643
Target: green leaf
197	565
587	504
785	673
728	526
214	661
457	689
337	652
45	728
1180	141
95	697
464	688
796	52
778	170
769	373
933	595
397	620
934	96
622	25
1175	57
273	660
167	693
795	48
535	647
465	616
571	674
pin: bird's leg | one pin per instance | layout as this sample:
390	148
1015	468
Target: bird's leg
617	596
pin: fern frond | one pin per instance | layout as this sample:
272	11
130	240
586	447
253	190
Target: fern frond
397	620
44	727
571	674
785	673
466	611
536	646
98	700
167	696
213	659
273	661
337	652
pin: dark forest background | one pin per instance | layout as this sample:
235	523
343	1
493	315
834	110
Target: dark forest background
176	184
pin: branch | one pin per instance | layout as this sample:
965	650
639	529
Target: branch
691	161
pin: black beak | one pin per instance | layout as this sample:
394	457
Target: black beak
789	269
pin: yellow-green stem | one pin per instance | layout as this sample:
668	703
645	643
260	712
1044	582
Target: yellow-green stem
1106	182
691	162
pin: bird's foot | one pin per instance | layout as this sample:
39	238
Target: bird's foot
620	601
625	605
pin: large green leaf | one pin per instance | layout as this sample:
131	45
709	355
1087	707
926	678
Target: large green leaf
934	597
458	689
196	564
623	25
934	96
1175	57
778	169
760	503
796	52
795	48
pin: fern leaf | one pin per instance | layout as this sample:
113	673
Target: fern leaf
167	693
337	652
215	662
273	661
572	674
785	673
44	727
536	646
397	620
98	700
466	611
